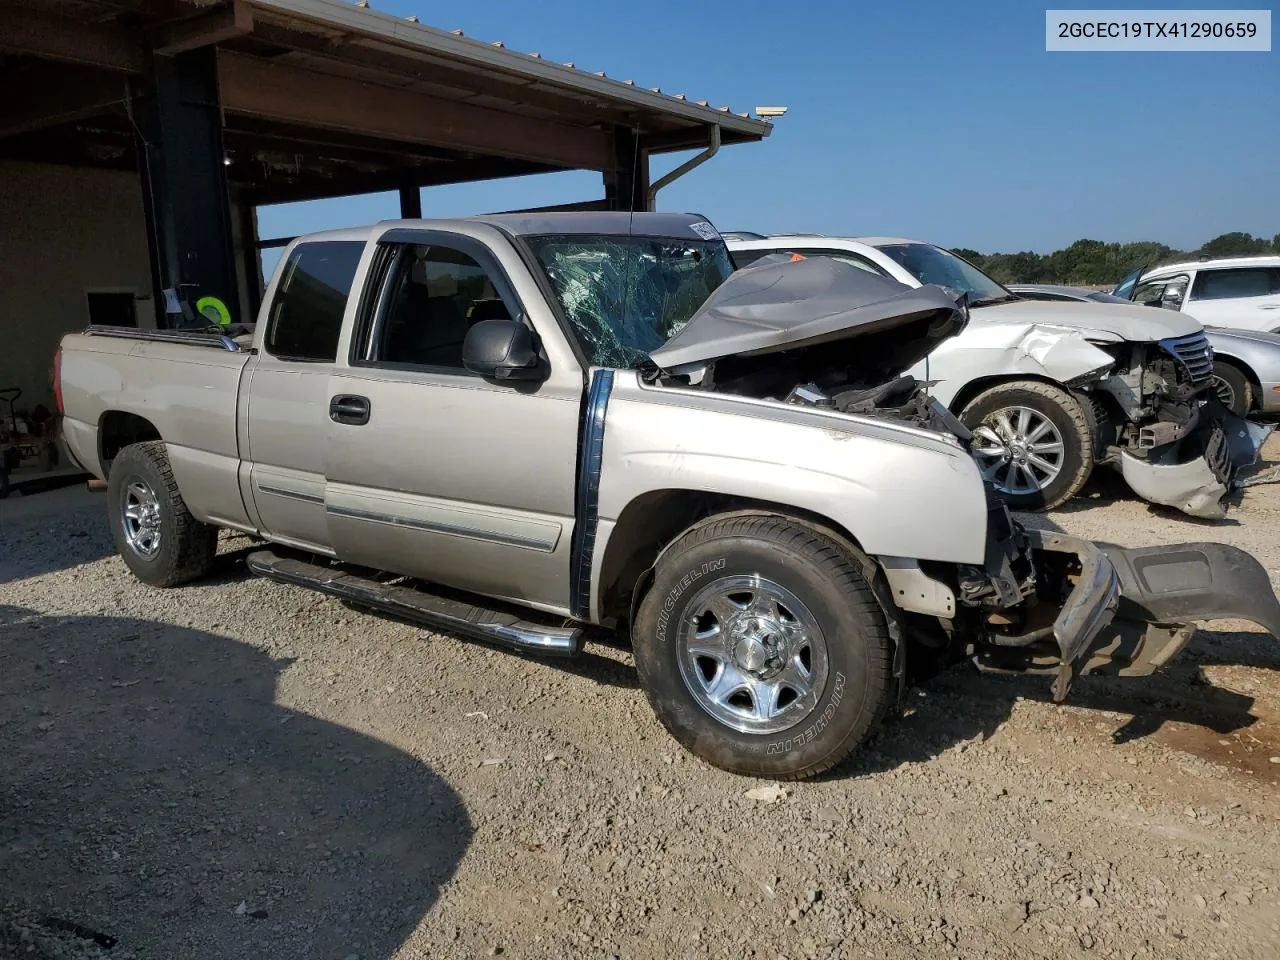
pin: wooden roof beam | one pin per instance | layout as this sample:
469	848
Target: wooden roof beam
102	45
224	23
432	175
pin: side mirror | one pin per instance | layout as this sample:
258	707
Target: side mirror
1171	296
502	350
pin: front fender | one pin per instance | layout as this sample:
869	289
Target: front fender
894	489
1000	351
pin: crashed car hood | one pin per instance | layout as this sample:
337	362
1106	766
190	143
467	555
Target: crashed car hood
1137	324
782	304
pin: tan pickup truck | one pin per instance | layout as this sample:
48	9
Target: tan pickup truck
527	428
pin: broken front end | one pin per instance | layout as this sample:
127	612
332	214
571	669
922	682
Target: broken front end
1160	423
1044	602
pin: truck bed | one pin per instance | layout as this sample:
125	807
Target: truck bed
196	338
184	385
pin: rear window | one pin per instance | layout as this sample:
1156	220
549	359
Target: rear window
745	258
306	315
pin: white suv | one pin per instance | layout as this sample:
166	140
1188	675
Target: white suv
1240	292
1052	389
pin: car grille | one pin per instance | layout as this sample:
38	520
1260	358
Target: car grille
1194	353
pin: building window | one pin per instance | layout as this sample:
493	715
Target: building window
112	308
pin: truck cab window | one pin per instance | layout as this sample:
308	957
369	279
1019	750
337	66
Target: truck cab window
437	293
306	315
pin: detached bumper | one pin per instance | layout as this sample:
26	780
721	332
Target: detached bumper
1226	450
1132	611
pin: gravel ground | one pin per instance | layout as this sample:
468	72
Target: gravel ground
242	769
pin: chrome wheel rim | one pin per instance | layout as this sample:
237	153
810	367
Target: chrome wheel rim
1019	450
1225	393
752	655
141	517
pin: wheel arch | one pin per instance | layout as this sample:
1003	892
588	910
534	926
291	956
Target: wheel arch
652	521
1243	367
974	388
118	429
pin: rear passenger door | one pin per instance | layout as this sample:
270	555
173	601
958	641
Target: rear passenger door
1247	297
447	476
285	399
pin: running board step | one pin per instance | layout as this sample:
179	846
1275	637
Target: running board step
437	612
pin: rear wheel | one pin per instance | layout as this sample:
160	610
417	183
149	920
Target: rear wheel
1032	440
156	535
1232	387
762	649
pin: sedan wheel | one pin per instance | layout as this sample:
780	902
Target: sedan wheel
1033	442
1019	450
1231	387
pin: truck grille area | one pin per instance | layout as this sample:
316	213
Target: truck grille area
1193	353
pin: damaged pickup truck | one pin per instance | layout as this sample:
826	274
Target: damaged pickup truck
1053	389
527	429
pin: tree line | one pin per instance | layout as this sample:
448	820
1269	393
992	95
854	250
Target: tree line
1094	262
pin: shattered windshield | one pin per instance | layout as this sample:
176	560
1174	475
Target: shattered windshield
625	296
930	264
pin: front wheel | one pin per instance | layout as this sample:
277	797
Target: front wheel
1033	440
762	649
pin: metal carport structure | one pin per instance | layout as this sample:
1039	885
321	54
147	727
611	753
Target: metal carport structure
219	106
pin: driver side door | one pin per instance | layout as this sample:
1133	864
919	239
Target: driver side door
436	472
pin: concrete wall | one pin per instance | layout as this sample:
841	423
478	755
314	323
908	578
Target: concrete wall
62	230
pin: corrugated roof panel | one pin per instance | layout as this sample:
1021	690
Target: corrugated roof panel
456	49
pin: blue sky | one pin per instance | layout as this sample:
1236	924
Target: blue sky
943	121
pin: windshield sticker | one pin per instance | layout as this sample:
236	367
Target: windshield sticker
705	230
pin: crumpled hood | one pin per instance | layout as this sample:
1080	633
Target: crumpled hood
783	304
1136	323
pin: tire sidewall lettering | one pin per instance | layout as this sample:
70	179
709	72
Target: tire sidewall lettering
682	585
819	723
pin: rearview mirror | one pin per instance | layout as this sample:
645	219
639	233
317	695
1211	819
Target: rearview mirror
502	350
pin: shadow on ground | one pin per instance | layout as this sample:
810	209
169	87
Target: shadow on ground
52	531
960	704
153	792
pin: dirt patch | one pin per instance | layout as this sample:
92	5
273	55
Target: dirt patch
239	768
